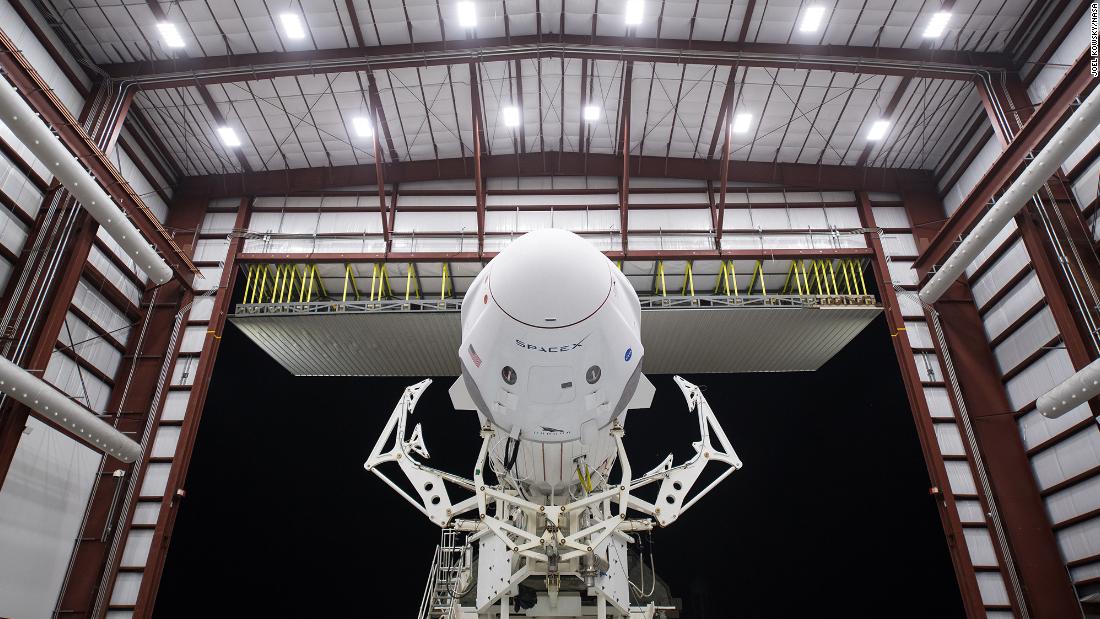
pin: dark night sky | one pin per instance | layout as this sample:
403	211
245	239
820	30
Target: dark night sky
830	516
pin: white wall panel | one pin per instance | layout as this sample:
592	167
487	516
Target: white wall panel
412	221
1080	540
1014	304
672	241
999	273
970	510
1029	338
901	272
100	310
136	551
928	367
1071	47
980	545
156	479
990	249
670	198
349	223
899	244
670	219
1084	186
175	405
5	272
1082	151
126	589
13	234
221	223
114	275
37	55
211	278
201	308
1088	571
939	403
211	250
607	200
992	587
1080	498
949	439
843	217
918	334
1034	428
960	477
14	183
183	371
974	172
890	216
910	306
164	443
1071	456
63	373
112	246
142	186
146	512
194	338
1038	378
41	509
89	345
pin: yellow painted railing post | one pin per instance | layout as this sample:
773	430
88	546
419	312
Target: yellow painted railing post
760	267
347	273
689	281
845	265
443	288
263	283
248	281
733	276
862	283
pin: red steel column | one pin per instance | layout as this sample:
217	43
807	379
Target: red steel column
173	494
98	549
922	418
1046	586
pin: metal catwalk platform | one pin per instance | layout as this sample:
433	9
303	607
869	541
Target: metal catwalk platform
681	334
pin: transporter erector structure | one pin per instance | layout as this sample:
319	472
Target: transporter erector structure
551	359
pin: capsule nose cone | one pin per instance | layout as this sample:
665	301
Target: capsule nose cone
550	278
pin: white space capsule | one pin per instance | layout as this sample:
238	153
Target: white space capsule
551	352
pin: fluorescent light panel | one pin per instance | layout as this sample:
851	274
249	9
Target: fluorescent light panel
362	126
937	24
510	115
467	14
741	122
878	130
635	9
292	26
170	34
229	137
591	112
811	19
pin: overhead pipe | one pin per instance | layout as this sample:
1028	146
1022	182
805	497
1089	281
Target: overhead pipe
47	401
1069	136
1071	393
37	136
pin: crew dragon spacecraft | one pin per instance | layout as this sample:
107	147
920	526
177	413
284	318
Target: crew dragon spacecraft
551	358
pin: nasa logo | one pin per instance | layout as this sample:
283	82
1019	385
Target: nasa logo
563	348
628	355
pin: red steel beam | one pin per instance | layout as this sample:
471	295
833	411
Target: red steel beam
381	178
725	184
1035	552
934	63
470	256
41	98
624	173
922	419
479	179
791	175
1048	117
196	402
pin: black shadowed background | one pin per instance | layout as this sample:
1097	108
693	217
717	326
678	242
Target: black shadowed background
830	516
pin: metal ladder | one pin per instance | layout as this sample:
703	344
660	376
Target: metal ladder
448	563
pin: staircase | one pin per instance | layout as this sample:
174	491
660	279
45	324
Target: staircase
445	583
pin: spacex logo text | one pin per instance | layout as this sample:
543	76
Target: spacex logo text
563	348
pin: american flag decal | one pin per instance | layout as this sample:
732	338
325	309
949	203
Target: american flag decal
473	355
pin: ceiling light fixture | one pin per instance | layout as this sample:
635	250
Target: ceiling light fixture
591	112
878	130
467	14
811	19
937	25
362	126
229	137
510	115
170	34
741	122
292	26
635	9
